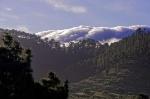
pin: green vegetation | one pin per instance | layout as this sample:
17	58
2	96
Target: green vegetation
16	81
122	68
117	71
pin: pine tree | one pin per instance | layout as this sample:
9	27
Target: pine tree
15	73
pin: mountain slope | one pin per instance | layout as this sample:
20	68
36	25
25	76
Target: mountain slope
126	69
65	61
50	56
94	67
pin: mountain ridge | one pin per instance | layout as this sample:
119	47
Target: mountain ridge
102	34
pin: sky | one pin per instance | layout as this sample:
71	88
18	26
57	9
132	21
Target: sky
40	15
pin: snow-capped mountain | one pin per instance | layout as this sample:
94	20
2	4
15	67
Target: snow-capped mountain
42	55
102	34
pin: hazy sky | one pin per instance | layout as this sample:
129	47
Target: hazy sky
39	15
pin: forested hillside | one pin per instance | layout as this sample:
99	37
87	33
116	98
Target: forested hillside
51	55
94	69
125	69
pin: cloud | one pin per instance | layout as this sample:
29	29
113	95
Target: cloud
102	34
8	9
23	28
6	13
62	5
19	28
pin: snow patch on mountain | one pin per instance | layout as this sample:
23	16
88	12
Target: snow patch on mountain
102	34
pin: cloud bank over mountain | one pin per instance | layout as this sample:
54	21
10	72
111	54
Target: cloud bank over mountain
102	34
62	5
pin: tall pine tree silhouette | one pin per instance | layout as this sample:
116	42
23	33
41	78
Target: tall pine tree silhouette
15	73
16	80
